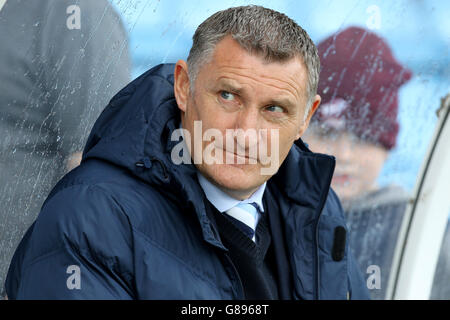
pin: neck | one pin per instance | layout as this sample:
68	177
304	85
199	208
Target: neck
235	194
239	194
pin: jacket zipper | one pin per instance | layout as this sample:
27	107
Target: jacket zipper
316	238
240	289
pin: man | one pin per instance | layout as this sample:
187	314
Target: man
357	122
133	222
61	61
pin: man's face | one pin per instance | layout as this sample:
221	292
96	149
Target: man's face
238	90
358	163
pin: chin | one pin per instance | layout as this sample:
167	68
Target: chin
346	193
234	177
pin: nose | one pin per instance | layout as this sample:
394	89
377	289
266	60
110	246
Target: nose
247	127
343	151
247	118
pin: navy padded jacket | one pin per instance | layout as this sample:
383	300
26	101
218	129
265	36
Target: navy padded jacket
130	224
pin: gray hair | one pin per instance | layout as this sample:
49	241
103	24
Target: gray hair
271	34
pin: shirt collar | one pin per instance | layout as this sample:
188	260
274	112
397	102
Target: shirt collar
222	201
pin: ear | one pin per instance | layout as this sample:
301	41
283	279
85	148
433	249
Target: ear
181	85
315	105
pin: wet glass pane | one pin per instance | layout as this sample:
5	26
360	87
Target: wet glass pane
62	60
441	289
60	63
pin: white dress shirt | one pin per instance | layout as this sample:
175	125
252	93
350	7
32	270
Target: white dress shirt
222	201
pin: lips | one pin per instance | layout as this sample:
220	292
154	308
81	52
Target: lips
243	158
342	179
245	155
232	153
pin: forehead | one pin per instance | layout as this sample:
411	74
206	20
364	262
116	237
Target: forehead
230	61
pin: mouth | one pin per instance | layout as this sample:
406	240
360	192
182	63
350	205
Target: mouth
342	179
238	159
221	155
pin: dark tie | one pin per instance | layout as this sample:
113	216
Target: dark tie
245	216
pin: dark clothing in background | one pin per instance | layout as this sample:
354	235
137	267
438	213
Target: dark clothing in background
54	82
135	223
440	289
374	221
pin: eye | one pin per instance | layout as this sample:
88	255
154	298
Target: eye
275	109
227	95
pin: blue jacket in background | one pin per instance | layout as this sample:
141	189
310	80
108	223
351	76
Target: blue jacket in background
130	224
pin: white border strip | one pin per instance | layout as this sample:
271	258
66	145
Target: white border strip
2	3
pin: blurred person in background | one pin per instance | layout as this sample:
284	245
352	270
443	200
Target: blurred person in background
357	123
61	61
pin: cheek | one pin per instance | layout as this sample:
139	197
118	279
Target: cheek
190	114
285	142
204	108
368	167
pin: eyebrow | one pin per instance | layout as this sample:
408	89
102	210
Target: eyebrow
230	86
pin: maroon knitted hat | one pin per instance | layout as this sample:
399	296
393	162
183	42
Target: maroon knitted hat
359	82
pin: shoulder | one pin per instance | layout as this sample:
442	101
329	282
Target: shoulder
83	225
99	202
83	211
82	217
